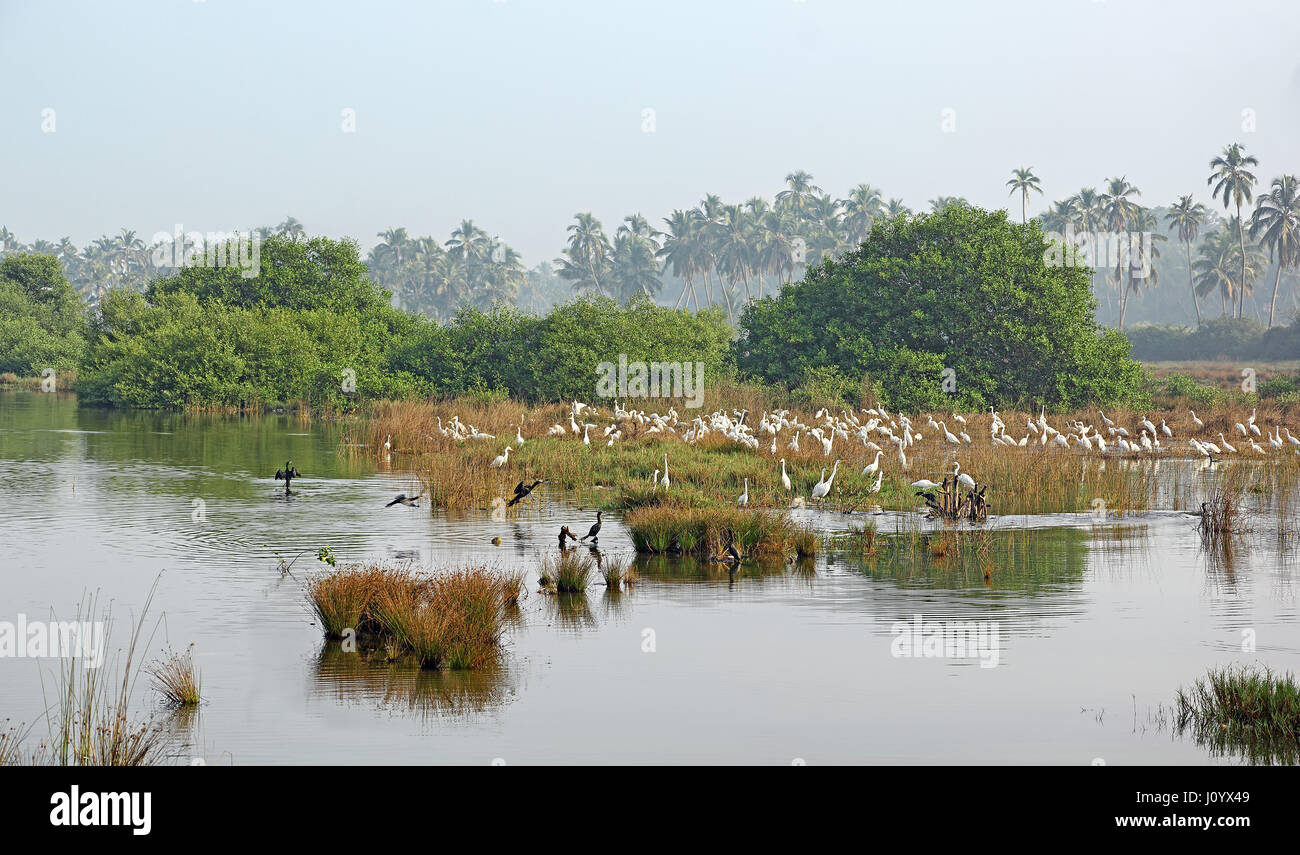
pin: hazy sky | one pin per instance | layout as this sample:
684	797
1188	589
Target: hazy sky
222	115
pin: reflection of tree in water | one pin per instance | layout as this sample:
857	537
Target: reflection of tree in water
405	687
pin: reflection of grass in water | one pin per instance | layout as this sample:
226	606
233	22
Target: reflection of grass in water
663	568
404	685
1244	711
1028	560
571	611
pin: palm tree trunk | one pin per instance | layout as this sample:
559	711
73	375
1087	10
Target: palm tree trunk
1241	245
1273	303
1191	281
682	296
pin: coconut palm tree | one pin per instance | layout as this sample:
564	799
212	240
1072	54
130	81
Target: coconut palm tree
1143	254
291	228
860	210
1276	224
1221	267
634	260
1235	183
1023	180
1118	211
682	251
896	208
585	262
940	202
799	191
1188	215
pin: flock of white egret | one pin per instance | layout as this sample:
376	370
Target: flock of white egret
864	428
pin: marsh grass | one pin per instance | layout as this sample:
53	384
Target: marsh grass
343	601
617	571
703	532
449	620
91	721
512	587
568	572
1222	513
1248	710
177	679
805	541
711	472
863	539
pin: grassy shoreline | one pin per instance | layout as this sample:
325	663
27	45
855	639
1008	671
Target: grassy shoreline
712	470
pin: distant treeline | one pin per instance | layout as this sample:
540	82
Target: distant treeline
1216	340
953	309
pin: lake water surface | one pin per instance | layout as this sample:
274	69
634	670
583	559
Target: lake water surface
1097	626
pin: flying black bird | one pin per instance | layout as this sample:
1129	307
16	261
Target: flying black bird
522	492
402	500
595	529
287	474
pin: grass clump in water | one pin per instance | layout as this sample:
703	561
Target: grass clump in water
1248	710
567	572
704	532
452	620
618	571
177	680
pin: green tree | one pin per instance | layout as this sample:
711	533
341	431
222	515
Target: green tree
962	288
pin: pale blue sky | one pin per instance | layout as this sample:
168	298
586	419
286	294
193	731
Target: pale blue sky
517	114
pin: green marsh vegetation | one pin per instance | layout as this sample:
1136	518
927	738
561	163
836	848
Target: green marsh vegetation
1244	710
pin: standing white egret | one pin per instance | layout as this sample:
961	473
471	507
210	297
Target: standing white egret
872	467
744	497
785	479
962	477
501	459
824	487
664	482
519	437
1196	421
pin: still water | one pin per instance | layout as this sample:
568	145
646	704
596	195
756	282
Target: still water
1097	626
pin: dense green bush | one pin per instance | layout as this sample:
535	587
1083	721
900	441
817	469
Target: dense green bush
961	289
311	318
1182	386
42	319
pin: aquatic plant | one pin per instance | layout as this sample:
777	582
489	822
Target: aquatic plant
1245	709
177	679
453	619
569	571
705	532
617	570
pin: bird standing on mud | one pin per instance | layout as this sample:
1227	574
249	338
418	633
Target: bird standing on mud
287	474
